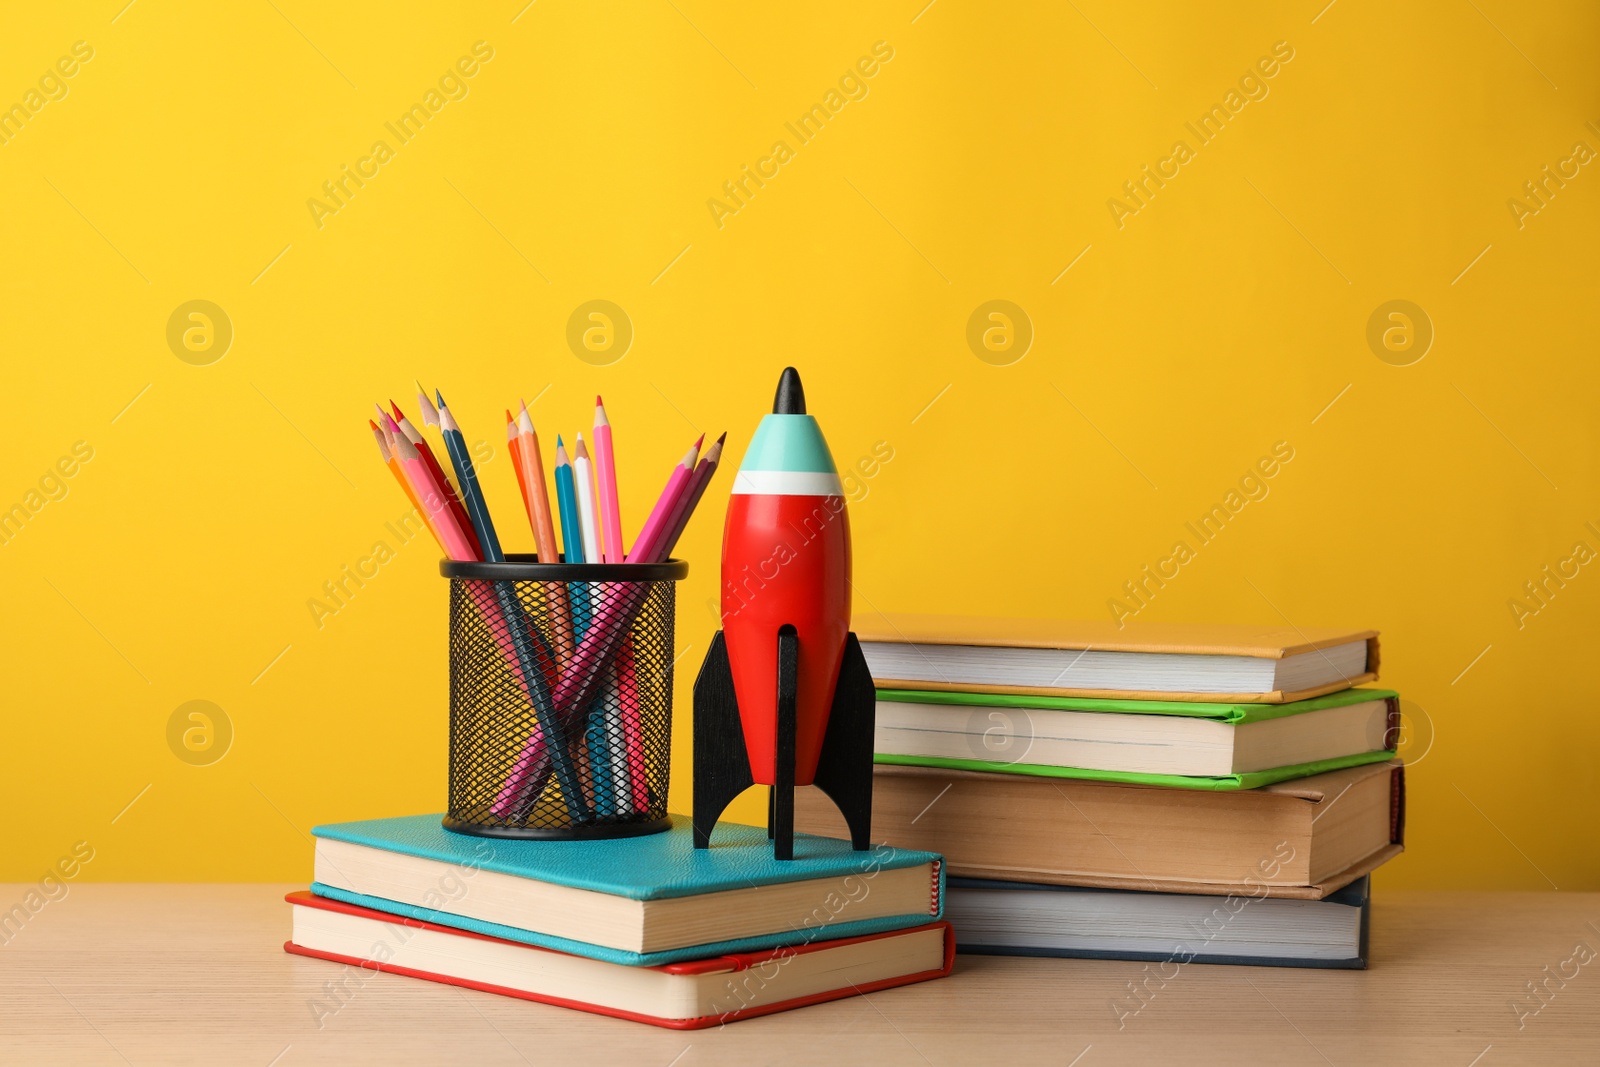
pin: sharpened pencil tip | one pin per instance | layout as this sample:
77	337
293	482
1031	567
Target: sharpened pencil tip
698	441
598	402
723	438
439	396
398	414
371	425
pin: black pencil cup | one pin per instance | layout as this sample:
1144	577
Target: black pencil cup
560	697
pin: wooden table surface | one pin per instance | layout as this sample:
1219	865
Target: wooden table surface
179	974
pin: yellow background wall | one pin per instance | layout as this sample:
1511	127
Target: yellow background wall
1229	313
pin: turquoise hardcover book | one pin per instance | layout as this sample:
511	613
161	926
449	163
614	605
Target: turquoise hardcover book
642	901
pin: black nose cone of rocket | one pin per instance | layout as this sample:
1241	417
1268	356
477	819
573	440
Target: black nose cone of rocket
791	396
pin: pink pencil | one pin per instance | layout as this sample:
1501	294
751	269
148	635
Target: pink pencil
430	493
687	503
656	525
605	463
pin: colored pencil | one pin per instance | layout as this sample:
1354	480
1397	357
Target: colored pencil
455	442
611	548
583	479
430	496
383	433
430	414
536	496
690	500
445	470
555	592
514	447
394	468
567	503
632	770
645	545
606	754
415	436
452	494
606	757
618	735
597	739
629	778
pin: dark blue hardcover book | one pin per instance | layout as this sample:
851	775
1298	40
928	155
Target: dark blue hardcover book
1027	919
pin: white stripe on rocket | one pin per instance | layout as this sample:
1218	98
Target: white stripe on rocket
787	483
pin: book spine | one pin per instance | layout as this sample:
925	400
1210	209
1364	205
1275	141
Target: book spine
1366	928
1397	806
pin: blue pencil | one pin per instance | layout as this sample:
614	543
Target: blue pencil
471	493
567	503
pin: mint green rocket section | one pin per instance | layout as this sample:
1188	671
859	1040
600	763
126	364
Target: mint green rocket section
788	443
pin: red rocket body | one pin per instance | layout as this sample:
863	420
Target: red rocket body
785	562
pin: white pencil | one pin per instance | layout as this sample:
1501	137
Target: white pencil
583	479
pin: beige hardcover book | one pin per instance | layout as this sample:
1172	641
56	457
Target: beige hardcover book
1304	838
1214	662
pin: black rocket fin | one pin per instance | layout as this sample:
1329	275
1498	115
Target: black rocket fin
844	771
721	764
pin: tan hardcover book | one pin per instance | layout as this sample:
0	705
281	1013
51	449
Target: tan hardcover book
1304	838
1214	662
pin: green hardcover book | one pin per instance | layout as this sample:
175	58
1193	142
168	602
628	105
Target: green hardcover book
1151	742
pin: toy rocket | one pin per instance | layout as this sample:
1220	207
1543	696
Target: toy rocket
784	697
786	561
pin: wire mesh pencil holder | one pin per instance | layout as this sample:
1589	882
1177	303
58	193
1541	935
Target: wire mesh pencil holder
560	697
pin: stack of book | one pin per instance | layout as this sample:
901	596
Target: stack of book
645	928
1159	792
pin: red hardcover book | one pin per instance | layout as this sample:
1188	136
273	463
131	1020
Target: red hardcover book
684	996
